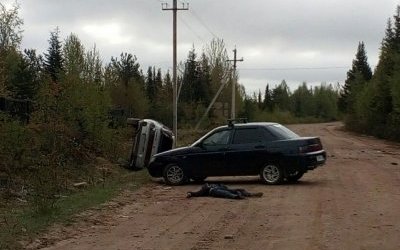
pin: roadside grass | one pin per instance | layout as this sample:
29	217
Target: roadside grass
19	223
188	136
285	117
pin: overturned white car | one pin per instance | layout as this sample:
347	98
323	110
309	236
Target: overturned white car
151	137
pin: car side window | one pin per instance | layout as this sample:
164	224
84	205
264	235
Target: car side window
218	138
269	136
247	136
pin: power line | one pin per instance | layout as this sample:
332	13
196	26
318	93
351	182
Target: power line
202	23
296	68
185	23
190	28
191	10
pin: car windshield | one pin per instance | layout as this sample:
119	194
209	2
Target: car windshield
218	138
282	132
212	133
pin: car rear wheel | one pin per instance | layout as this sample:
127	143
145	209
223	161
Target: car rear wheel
271	174
295	176
174	175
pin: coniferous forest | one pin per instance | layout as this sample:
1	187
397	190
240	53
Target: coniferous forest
63	111
371	100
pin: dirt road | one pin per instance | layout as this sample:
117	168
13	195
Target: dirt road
353	202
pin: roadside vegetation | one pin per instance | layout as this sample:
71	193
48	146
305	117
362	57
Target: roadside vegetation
371	100
63	116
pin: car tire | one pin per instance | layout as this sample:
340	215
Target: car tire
294	177
271	174
174	175
198	179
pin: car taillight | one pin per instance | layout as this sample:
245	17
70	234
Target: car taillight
310	148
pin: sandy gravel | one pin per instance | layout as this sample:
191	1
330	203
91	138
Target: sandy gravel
353	202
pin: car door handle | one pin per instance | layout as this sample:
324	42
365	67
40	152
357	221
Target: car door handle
259	147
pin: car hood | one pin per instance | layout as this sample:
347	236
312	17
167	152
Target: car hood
177	151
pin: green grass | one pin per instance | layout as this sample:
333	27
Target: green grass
24	223
286	118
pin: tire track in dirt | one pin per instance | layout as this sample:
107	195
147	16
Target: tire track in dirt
350	203
226	228
362	194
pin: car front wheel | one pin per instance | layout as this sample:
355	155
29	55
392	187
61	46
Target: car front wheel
174	175
271	174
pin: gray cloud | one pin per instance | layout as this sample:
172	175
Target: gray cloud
268	34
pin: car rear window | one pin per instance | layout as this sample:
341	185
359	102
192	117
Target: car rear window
282	132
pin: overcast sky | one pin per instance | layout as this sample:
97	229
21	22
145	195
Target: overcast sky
277	39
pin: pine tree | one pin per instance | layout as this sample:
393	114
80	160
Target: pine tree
352	85
324	102
190	86
126	83
23	74
281	96
259	100
167	86
396	31
302	101
387	46
381	101
268	104
158	82
150	84
205	78
126	69
375	108
53	58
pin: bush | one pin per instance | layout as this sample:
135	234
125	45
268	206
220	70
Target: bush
15	152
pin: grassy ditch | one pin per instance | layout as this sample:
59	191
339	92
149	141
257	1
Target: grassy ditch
21	221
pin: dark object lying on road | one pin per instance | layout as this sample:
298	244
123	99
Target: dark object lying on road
222	191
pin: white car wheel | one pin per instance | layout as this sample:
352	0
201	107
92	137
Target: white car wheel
271	174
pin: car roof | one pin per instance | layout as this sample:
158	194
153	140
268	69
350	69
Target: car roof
240	125
251	124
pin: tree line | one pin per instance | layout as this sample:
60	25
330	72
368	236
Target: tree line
66	107
304	104
371	100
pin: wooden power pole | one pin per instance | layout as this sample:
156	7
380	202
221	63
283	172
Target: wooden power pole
233	111
174	78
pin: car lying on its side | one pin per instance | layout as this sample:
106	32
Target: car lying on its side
269	150
151	137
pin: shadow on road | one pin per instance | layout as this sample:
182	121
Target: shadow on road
249	181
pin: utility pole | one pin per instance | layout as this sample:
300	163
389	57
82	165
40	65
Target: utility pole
174	79
233	111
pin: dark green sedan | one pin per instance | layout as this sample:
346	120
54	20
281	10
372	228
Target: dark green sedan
269	150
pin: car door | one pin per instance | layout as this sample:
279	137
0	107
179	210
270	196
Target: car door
210	159
247	151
